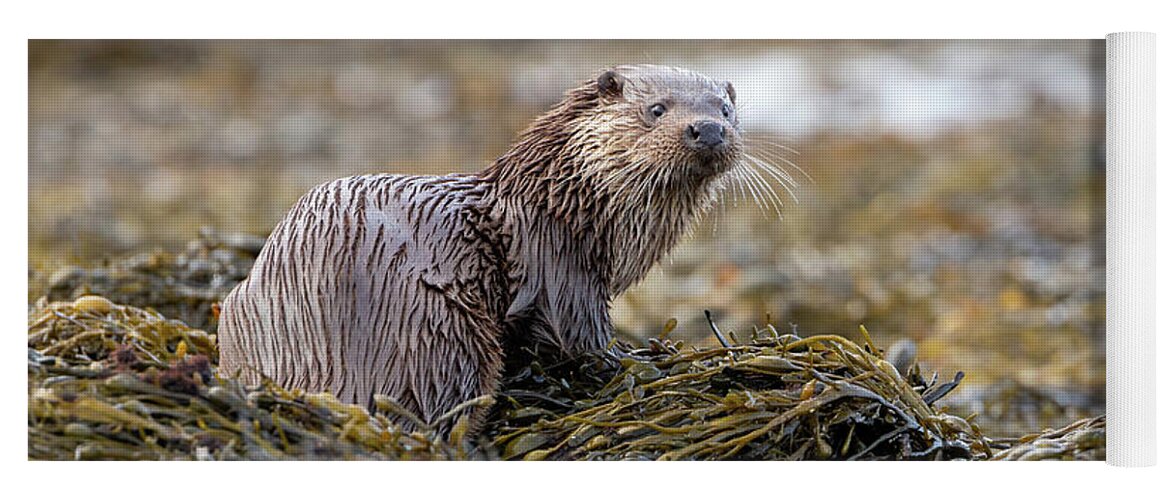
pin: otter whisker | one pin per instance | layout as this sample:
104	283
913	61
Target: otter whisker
782	175
739	194
750	188
753	185
757	195
721	193
788	162
732	187
755	141
784	171
717	195
779	178
767	189
770	154
779	171
741	186
764	136
773	192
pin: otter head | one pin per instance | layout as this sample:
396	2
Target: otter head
626	162
675	127
630	130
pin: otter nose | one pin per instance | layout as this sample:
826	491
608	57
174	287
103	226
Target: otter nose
705	134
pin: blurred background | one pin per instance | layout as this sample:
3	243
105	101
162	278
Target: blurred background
956	201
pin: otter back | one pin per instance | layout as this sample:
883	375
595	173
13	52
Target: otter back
377	284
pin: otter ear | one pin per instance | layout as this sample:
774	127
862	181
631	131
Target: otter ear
610	83
731	91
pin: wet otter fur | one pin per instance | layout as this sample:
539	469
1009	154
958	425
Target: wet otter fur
407	286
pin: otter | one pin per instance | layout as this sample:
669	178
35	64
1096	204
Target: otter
407	286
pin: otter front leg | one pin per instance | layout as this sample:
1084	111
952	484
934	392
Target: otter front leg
593	331
582	319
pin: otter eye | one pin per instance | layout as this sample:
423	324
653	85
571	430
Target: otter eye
657	110
727	111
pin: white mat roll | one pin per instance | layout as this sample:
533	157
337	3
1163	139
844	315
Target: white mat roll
1130	244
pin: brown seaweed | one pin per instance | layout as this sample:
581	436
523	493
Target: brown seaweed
1081	440
109	381
118	382
776	397
183	286
112	381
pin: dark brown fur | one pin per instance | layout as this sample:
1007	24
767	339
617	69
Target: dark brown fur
407	285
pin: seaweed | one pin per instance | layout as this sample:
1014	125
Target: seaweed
1081	440
108	380
185	285
774	397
